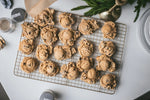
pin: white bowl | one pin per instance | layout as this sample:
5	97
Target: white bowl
144	30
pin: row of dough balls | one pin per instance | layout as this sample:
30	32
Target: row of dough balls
66	20
70	71
49	34
85	49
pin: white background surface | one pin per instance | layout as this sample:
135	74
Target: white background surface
134	76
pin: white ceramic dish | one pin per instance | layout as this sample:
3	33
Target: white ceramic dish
144	30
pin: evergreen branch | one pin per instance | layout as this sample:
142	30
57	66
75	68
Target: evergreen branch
140	4
98	6
79	8
90	12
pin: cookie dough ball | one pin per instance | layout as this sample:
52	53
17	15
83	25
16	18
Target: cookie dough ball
29	64
49	35
105	63
45	17
108	81
84	64
63	52
30	30
109	30
69	71
69	36
85	48
59	53
2	43
49	68
43	51
26	46
88	26
89	76
66	20
107	47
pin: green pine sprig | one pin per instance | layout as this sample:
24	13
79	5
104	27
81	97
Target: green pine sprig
140	4
98	6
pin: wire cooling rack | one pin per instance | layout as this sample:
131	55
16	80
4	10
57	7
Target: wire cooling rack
95	38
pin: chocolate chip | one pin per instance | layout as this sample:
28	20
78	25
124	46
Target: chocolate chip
44	40
87	44
29	33
50	66
47	17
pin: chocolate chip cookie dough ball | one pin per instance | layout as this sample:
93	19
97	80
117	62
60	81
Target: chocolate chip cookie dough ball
108	81
107	47
109	30
66	20
105	63
69	36
29	64
85	48
63	52
69	71
88	26
49	68
59	53
89	76
45	17
26	46
43	51
30	30
84	64
49	35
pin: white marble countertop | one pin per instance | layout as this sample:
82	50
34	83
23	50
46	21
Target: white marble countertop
135	74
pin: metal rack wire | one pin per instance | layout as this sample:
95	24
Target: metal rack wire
96	37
